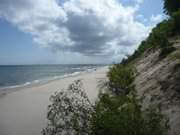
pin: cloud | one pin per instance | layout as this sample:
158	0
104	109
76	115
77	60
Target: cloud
98	28
156	18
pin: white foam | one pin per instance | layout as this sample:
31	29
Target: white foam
45	80
16	86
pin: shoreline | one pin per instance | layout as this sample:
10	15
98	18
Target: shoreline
23	111
6	90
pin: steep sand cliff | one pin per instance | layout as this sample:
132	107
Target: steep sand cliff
158	81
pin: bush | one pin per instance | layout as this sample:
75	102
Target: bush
159	35
176	19
69	113
166	50
175	56
121	79
122	115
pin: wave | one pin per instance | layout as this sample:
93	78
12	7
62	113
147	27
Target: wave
46	80
16	86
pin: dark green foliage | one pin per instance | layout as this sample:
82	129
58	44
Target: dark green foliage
160	35
175	56
171	6
176	19
123	115
166	50
161	32
121	79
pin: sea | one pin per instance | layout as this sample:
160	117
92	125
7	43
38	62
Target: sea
16	76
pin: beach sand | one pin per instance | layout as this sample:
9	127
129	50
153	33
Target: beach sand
23	111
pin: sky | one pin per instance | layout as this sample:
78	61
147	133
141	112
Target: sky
74	31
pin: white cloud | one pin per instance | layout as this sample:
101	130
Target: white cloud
156	18
89	27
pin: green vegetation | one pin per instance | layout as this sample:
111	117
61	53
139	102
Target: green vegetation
176	20
121	79
123	115
171	6
175	56
159	37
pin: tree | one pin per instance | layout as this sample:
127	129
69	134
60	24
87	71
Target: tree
171	6
121	79
69	113
176	19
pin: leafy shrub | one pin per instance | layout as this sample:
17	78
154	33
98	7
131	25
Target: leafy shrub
122	115
121	79
163	29
159	35
69	113
175	56
176	19
166	50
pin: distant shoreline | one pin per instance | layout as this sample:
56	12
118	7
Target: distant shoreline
7	90
37	82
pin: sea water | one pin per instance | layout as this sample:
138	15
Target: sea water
15	76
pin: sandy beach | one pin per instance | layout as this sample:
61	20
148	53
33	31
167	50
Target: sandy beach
23	112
